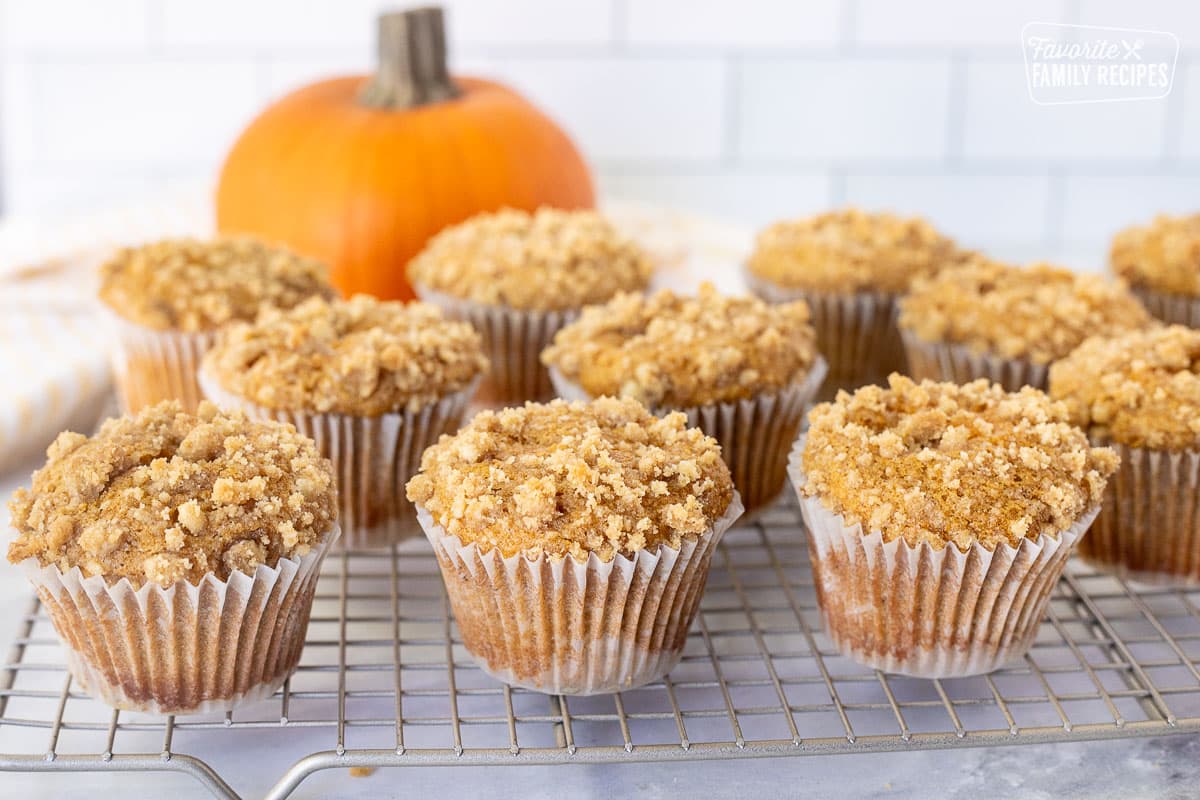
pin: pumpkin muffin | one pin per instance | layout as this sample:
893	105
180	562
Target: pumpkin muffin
986	319
177	554
167	299
741	369
925	499
593	523
373	382
1139	393
518	278
849	266
1161	264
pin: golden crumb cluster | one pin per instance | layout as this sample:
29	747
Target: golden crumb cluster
166	496
194	285
360	356
850	250
1163	256
939	463
1141	389
1039	312
672	351
603	477
550	260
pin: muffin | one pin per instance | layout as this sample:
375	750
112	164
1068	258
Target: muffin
177	554
940	517
166	300
849	266
373	383
990	320
1139	393
575	539
741	369
1161	264
518	278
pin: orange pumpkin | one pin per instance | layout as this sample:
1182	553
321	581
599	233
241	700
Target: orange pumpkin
361	171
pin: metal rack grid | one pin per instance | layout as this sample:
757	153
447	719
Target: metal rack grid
385	682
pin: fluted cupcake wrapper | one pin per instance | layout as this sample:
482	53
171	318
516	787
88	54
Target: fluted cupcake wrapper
926	612
185	648
942	361
1172	308
755	433
561	626
373	457
513	341
856	332
1149	525
151	365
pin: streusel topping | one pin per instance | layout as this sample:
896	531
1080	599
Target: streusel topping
360	356
676	351
166	496
940	463
1038	312
194	285
850	250
561	479
1141	389
1164	255
550	260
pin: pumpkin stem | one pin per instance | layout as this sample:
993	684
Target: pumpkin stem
412	61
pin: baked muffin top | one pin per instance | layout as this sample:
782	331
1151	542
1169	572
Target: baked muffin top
1141	389
676	351
193	285
550	260
1038	312
166	496
570	479
850	250
1163	256
943	463
360	356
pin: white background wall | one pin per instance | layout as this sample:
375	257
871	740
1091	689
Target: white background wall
751	110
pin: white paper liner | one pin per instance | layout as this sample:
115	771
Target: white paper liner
1173	308
1149	524
561	626
856	332
185	648
755	434
925	612
150	365
373	457
513	341
956	363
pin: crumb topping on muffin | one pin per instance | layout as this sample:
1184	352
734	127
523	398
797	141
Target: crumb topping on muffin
193	285
166	496
850	250
943	463
1163	256
1141	389
550	260
1040	312
561	479
677	351
360	356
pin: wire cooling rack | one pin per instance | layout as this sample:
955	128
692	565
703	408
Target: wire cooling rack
385	682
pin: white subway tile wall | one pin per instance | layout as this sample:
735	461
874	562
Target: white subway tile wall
750	110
